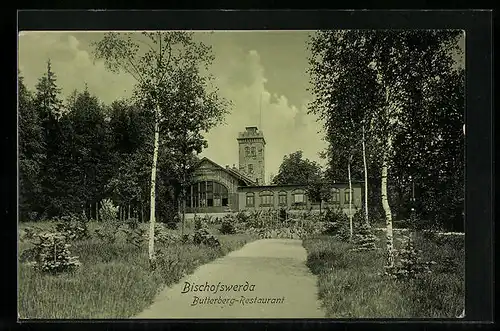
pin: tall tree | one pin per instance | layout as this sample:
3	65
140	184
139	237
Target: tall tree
295	169
343	99
158	61
390	64
198	108
91	149
31	152
57	169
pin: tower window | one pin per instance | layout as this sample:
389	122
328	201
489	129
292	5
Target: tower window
247	151
260	151
250	168
253	151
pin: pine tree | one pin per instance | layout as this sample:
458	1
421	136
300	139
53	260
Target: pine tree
58	173
31	153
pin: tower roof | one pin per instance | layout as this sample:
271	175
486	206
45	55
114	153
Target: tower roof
251	132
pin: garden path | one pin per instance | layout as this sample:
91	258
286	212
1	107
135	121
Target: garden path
283	286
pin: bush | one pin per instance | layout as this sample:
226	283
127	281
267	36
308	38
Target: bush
337	224
172	225
51	253
162	235
409	264
109	212
227	227
358	219
186	238
73	227
133	223
134	235
364	239
203	237
282	214
198	223
110	223
242	217
30	233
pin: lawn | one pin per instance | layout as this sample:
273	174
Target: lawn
350	284
114	280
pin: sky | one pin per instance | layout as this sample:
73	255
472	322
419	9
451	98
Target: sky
263	74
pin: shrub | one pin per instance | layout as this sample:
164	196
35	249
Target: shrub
134	235
110	223
133	223
186	238
282	214
242	216
227	227
364	239
30	233
358	219
409	264
203	237
337	224
162	235
73	227
51	253
172	225
109	212
198	223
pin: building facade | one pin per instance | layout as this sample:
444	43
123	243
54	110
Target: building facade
218	189
294	197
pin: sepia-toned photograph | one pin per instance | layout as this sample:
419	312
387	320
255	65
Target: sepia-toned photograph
241	174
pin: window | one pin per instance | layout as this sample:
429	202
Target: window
347	193
282	198
253	151
250	168
299	197
266	198
250	200
247	151
207	194
260	151
336	196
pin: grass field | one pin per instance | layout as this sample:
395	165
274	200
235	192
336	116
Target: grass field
114	280
350	285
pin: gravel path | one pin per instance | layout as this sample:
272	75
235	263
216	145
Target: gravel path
268	279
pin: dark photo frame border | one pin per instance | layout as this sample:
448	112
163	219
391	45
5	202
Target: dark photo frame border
477	25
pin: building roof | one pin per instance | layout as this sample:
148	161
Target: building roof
234	172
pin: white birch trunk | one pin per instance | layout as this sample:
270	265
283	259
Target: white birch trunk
387	210
366	177
152	217
183	219
350	200
385	166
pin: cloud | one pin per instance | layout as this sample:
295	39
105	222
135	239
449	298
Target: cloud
286	128
72	64
240	76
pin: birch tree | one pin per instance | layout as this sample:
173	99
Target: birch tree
156	60
343	97
379	69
